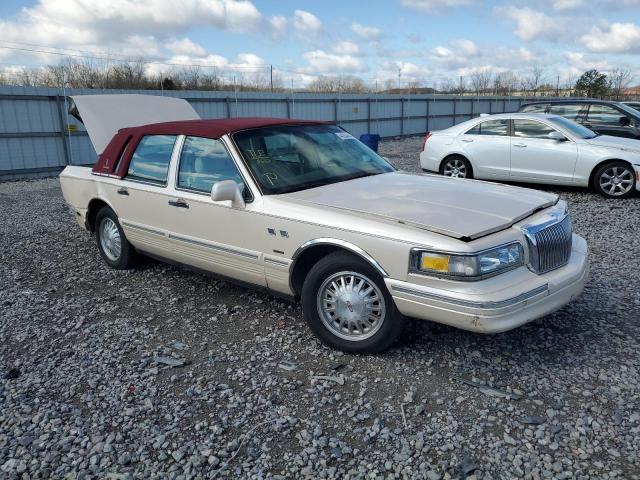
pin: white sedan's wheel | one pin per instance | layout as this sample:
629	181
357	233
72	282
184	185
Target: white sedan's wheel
615	180
456	167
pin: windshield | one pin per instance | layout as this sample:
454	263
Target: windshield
290	158
575	128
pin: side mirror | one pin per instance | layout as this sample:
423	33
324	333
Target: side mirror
557	136
227	190
624	121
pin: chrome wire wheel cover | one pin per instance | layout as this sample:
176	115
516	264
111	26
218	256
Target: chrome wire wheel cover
110	240
455	168
351	306
616	180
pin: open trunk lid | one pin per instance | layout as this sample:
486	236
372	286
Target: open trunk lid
104	115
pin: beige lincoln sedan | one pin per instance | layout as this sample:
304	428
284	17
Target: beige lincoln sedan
305	210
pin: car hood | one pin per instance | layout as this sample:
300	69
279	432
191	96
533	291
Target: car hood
464	209
608	141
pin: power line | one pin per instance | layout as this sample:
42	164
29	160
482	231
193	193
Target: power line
234	66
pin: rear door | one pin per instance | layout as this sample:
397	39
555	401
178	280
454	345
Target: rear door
608	120
140	197
487	146
537	158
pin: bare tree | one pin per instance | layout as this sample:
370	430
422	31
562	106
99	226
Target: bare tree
619	80
341	83
532	81
481	81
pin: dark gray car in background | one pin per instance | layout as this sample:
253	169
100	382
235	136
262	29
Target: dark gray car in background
605	118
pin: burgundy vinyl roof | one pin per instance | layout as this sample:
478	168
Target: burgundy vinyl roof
214	128
116	157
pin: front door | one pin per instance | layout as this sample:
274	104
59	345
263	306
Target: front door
213	236
537	158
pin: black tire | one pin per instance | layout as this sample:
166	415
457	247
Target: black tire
127	253
456	166
626	175
390	324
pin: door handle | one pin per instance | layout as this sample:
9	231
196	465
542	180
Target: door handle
180	203
519	145
467	140
123	191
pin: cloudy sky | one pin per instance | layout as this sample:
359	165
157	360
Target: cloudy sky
426	40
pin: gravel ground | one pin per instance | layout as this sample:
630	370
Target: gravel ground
163	373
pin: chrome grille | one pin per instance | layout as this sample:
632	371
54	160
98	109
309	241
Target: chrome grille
550	247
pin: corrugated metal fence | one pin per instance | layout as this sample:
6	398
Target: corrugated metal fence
37	137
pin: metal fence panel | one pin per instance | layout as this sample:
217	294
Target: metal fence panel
37	136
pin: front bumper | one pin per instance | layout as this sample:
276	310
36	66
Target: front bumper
500	303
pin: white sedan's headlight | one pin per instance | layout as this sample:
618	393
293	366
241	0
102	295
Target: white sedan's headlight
462	266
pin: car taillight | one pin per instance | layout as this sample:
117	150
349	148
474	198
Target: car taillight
424	141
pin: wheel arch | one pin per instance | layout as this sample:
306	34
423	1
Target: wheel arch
310	252
457	154
95	204
604	162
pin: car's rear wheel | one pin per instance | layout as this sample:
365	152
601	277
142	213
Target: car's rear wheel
347	305
615	180
114	247
456	166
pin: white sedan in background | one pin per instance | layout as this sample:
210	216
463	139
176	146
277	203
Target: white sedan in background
534	148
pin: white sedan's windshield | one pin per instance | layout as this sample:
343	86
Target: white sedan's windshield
575	128
296	157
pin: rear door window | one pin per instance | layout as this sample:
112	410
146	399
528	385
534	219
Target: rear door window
538	108
570	111
531	129
150	161
604	114
490	127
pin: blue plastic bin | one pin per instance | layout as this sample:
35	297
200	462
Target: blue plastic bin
371	141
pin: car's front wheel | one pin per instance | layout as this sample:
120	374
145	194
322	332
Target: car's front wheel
615	180
114	247
347	305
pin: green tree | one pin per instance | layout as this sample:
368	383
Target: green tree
592	83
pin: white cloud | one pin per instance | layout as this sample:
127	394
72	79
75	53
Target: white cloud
616	38
431	6
532	24
563	5
278	25
441	52
576	63
107	25
306	23
186	47
346	48
466	47
366	33
323	62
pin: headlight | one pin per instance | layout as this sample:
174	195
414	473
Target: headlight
463	266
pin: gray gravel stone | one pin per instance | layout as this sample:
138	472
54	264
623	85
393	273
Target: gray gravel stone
89	398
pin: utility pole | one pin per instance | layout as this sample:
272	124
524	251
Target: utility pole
271	74
399	73
558	86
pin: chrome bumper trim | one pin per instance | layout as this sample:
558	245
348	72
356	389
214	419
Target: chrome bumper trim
471	304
